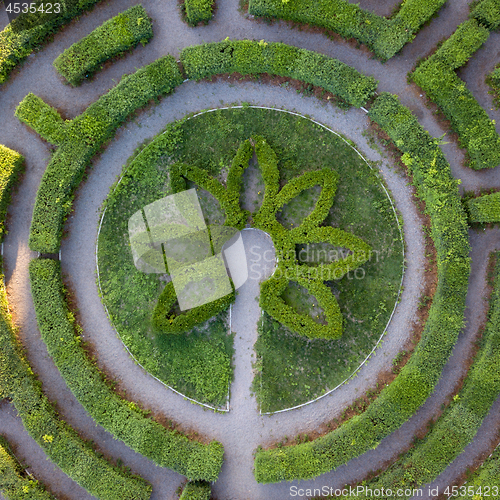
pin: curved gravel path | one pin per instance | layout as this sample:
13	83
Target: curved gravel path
243	428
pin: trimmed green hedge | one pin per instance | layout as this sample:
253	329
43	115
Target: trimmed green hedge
15	484
114	37
196	490
485	208
123	419
198	11
60	442
84	137
458	425
487	12
249	57
17	46
42	118
385	37
437	78
11	165
417	380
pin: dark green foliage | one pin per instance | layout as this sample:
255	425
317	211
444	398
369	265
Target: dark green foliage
15	484
249	57
386	37
84	136
198	11
59	441
11	165
114	37
487	12
418	378
458	425
485	208
16	45
42	118
124	420
196	490
437	78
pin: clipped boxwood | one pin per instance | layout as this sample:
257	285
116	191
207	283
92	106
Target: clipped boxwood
16	46
249	57
196	490
487	12
124	420
11	165
484	208
198	11
42	118
114	37
84	136
15	484
386	37
437	78
417	380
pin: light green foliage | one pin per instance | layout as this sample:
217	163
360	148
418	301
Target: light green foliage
124	420
114	37
198	11
84	136
487	12
196	490
485	208
249	57
15	46
42	118
437	78
65	448
11	165
15	484
386	37
416	381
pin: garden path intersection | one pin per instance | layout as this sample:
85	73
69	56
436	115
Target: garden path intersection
243	428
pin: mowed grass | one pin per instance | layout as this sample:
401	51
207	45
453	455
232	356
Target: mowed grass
290	369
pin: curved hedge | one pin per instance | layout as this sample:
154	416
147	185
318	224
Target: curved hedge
385	37
458	425
249	57
114	37
121	418
15	484
196	490
417	380
484	208
84	137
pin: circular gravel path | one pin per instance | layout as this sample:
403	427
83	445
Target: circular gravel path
242	429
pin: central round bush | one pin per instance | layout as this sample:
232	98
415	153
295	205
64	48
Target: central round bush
325	209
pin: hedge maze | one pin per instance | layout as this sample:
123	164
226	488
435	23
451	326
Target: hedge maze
76	143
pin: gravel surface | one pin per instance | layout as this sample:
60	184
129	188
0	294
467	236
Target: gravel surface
242	429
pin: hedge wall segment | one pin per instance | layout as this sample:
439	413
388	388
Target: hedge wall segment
484	208
487	12
84	137
198	11
386	37
15	484
59	441
11	165
114	37
196	490
249	57
121	418
417	380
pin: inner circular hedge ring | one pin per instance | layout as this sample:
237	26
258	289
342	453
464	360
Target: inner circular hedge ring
198	364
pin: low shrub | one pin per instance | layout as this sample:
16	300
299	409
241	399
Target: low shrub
485	208
386	37
15	484
196	490
198	11
418	378
121	418
11	165
16	46
84	136
249	57
42	118
114	37
487	12
437	78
